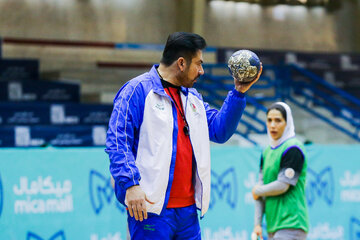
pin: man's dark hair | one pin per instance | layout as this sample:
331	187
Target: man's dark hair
278	107
182	44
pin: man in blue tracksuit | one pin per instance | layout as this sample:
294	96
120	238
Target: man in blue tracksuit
158	142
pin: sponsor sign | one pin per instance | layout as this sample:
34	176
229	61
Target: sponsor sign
18	69
66	193
54	114
45	91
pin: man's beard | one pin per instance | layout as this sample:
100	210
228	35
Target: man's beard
190	82
187	82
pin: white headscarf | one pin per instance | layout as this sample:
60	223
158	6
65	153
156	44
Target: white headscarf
289	131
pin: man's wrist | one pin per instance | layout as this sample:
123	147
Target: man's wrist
130	184
238	93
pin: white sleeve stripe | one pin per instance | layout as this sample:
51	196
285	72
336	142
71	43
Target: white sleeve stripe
116	133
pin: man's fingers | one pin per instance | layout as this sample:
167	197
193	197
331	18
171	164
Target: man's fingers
256	79
136	200
135	212
145	214
258	76
259	73
145	210
138	211
261	68
130	211
139	208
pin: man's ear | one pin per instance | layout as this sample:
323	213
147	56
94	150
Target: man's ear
181	62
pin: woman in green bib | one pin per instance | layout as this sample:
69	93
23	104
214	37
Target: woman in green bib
280	193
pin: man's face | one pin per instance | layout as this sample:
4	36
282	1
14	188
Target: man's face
275	123
193	70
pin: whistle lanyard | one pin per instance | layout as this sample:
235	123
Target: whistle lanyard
186	126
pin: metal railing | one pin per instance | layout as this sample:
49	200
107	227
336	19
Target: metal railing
316	93
288	82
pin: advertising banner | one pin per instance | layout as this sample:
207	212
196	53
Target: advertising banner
65	193
61	136
26	113
332	192
19	69
58	194
39	90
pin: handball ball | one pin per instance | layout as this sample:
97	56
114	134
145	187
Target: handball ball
244	65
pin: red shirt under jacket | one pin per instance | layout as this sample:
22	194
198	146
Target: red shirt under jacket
182	190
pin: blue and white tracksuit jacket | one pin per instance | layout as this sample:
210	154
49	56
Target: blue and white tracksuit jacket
142	138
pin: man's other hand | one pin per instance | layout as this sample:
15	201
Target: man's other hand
135	199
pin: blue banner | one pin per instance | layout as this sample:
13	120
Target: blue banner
62	193
58	194
19	69
35	114
333	193
61	136
24	114
30	91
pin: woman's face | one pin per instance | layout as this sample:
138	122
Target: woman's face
275	123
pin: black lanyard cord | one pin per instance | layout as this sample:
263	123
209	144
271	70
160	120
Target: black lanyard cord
186	125
186	128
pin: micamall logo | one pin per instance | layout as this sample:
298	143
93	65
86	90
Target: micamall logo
42	195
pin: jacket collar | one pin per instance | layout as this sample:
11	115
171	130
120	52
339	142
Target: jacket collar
158	88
